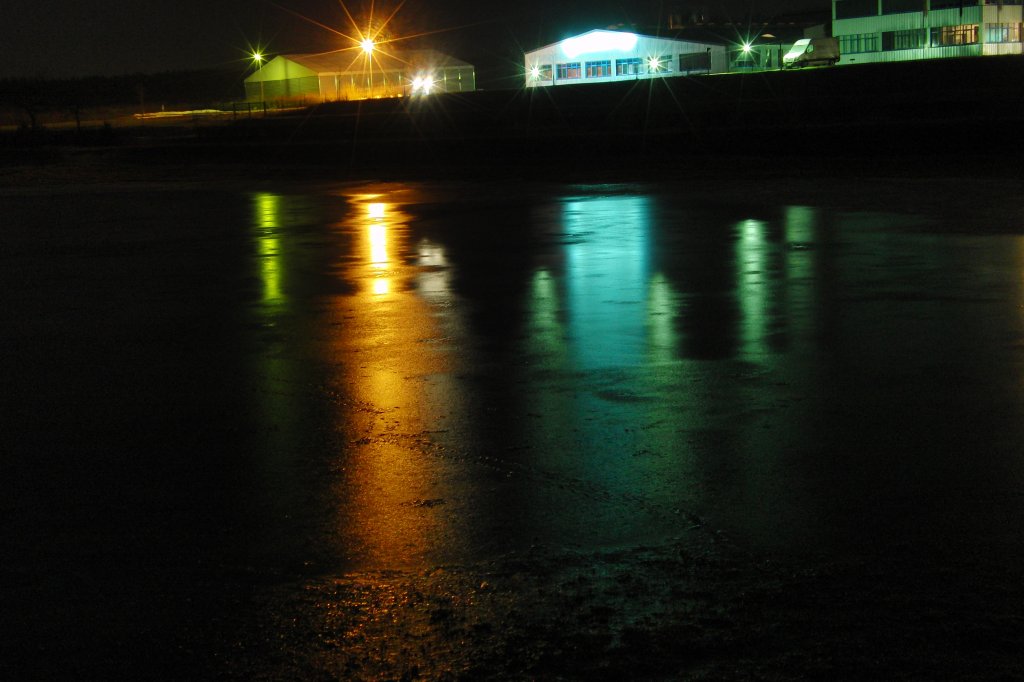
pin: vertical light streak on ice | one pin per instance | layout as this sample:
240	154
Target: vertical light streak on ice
662	307
801	228
268	224
546	332
606	278
752	286
378	236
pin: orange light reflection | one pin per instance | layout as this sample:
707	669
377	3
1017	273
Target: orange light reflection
398	505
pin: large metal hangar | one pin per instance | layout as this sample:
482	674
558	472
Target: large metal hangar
603	56
305	78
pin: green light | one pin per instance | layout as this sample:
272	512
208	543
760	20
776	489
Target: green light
746	48
268	211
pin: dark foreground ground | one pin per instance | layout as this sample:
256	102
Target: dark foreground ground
271	424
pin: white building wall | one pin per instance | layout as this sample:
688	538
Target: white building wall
615	56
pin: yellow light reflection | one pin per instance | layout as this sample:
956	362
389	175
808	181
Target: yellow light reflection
268	212
379	245
376	213
397	505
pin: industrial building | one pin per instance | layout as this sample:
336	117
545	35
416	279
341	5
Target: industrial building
901	30
335	76
603	56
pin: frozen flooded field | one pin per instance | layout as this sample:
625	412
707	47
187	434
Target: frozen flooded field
715	428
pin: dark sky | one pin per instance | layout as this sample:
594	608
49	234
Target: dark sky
58	38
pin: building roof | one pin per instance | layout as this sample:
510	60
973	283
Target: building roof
672	38
353	61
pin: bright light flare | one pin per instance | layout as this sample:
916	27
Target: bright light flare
367	44
422	85
535	73
654	63
746	48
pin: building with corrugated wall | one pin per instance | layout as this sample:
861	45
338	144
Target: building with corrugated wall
603	56
310	78
901	30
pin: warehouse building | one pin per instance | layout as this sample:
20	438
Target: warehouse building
901	30
603	56
335	76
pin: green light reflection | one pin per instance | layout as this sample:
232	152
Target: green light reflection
752	284
268	223
546	329
608	266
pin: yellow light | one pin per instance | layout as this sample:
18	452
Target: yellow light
378	246
367	45
257	57
376	210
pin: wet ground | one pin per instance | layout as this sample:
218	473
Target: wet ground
707	428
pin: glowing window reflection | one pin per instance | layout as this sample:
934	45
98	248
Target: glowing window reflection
433	279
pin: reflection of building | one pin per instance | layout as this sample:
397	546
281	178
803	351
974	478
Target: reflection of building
900	30
601	56
350	76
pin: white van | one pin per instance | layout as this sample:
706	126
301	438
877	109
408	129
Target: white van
811	52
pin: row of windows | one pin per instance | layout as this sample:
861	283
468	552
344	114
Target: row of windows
944	36
853	9
602	68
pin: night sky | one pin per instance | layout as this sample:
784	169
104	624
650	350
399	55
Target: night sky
62	38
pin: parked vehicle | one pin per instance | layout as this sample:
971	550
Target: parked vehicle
812	52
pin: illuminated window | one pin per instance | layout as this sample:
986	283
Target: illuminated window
599	69
568	71
858	42
628	67
1002	33
964	34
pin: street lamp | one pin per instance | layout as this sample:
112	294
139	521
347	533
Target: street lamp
258	58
